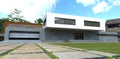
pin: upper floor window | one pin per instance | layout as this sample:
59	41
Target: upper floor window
64	21
92	23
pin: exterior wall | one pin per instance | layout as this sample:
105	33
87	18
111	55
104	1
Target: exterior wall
25	27
52	35
8	29
68	35
50	22
108	36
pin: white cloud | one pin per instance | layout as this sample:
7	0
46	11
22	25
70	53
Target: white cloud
86	2
116	2
31	9
101	7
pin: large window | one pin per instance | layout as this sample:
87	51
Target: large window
92	23
64	21
78	36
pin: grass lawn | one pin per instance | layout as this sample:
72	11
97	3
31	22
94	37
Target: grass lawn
105	47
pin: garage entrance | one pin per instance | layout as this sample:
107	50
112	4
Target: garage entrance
24	35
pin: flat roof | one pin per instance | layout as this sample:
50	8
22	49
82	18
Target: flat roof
113	21
22	24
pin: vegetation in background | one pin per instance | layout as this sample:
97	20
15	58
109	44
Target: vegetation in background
105	47
38	21
16	16
2	24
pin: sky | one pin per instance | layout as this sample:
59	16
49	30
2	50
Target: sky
33	9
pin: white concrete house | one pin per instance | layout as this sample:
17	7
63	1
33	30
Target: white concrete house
62	28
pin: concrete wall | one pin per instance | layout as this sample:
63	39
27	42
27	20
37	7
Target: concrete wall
108	36
52	35
62	35
8	29
68	35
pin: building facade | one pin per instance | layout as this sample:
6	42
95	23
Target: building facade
22	31
61	28
113	25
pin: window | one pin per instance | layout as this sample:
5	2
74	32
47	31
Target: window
78	36
91	23
64	21
113	25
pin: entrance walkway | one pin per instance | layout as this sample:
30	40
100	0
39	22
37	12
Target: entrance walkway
27	51
44	51
69	53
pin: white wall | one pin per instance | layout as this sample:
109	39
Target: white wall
50	22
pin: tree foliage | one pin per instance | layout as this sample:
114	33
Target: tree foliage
16	16
2	24
38	21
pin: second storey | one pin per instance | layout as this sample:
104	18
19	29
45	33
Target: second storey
61	21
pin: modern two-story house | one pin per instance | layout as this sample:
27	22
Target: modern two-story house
61	28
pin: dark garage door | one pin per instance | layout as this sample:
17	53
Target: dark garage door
24	35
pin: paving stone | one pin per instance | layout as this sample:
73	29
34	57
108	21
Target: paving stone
77	55
7	48
28	51
27	56
32	51
55	48
104	53
28	48
69	53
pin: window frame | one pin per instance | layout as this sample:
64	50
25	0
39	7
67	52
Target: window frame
91	23
66	21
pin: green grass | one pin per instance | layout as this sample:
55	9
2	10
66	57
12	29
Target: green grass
105	47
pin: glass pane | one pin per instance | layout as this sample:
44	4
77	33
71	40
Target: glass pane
64	21
91	23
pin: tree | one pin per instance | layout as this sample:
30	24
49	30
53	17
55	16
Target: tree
15	16
2	24
38	21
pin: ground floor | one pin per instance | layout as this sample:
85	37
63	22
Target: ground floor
79	36
58	35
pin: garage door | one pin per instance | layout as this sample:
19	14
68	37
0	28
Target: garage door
24	35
